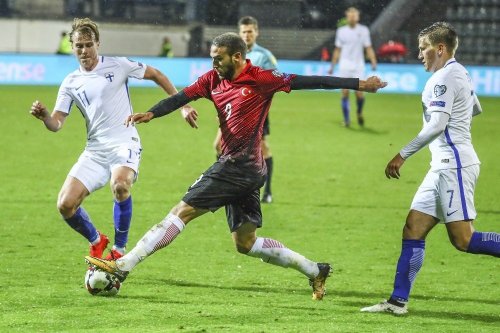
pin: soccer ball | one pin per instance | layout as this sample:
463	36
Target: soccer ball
99	283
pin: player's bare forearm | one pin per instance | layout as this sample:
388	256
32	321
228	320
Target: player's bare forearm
372	84
335	59
160	79
392	168
371	55
52	122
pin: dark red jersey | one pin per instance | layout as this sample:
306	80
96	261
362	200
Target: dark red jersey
242	106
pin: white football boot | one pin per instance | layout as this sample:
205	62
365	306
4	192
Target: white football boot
385	306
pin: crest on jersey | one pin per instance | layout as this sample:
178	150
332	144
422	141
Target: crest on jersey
244	91
439	90
109	76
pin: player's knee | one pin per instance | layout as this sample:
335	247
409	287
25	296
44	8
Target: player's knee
66	207
121	188
412	231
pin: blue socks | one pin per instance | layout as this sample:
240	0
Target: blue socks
485	243
360	102
122	215
81	223
345	110
409	263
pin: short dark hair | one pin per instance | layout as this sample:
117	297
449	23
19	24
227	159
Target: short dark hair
247	20
441	32
232	42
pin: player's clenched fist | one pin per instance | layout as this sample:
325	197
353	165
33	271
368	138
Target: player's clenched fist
372	84
38	110
139	118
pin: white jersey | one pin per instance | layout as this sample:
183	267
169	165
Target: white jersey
450	90
103	99
352	43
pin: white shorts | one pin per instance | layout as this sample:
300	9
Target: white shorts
94	167
448	194
351	73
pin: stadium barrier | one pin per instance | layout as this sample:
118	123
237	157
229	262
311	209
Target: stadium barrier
23	69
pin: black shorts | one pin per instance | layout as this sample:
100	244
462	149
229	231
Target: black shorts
266	129
231	184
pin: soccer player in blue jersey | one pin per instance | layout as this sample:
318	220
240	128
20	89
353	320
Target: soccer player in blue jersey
99	89
447	191
259	56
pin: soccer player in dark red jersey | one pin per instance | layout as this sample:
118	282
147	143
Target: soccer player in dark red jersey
242	95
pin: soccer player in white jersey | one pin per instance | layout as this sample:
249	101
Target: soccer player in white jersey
447	191
99	89
259	56
351	43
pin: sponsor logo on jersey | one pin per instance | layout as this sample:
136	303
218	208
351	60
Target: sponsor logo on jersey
445	160
439	90
438	103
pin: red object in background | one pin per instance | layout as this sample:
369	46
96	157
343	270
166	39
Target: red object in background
325	55
393	50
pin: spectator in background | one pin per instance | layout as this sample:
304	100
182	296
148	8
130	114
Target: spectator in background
5	8
64	44
351	42
166	48
392	52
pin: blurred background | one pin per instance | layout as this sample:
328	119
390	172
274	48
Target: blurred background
292	29
175	35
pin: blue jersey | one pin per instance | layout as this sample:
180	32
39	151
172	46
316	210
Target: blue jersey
262	57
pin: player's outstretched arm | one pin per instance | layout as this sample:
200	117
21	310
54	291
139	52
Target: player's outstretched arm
53	122
164	107
188	112
372	84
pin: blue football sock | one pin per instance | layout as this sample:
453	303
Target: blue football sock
485	243
360	102
81	223
345	109
409	263
122	215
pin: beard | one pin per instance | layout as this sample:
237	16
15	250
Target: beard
227	74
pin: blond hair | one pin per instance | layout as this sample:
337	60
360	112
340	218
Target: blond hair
441	32
84	26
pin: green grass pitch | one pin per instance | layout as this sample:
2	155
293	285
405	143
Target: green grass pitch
332	203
